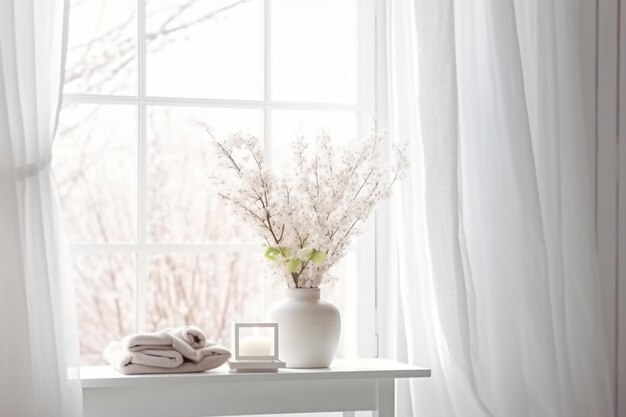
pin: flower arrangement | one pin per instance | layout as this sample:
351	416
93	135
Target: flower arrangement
309	213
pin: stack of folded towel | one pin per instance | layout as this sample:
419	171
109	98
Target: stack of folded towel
183	349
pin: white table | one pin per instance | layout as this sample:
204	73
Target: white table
348	385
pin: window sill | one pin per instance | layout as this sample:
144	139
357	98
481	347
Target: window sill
105	376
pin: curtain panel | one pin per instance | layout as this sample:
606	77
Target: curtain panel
39	361
494	282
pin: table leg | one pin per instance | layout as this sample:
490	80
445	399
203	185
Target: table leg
386	398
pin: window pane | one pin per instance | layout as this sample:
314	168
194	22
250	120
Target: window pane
105	292
207	290
181	205
314	50
288	125
205	49
343	292
102	47
95	165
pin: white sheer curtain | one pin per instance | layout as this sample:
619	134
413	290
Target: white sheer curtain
495	284
38	347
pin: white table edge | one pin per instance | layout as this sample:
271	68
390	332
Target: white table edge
340	369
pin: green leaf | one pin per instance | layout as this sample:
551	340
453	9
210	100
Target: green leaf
292	265
285	251
271	253
318	257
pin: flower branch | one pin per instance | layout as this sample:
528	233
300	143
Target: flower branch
309	213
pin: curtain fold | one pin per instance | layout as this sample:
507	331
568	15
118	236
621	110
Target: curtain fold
496	256
39	360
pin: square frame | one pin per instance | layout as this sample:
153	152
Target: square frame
238	326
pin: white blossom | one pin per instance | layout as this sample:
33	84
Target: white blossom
306	215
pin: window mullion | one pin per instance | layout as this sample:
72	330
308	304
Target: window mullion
209	103
369	266
267	98
142	268
98	248
267	51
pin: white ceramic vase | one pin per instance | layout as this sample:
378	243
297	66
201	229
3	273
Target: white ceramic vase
309	328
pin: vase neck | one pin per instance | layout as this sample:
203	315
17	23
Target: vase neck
304	293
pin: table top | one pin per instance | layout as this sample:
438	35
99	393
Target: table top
106	376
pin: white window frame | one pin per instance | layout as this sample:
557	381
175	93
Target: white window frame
365	108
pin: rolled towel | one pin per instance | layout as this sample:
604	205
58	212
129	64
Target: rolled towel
156	340
192	335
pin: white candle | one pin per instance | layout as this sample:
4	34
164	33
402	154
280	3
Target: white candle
255	346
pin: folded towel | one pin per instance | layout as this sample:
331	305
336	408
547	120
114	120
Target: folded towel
118	358
183	349
189	341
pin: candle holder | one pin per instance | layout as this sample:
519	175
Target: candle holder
255	353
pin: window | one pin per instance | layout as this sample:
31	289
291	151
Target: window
152	247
